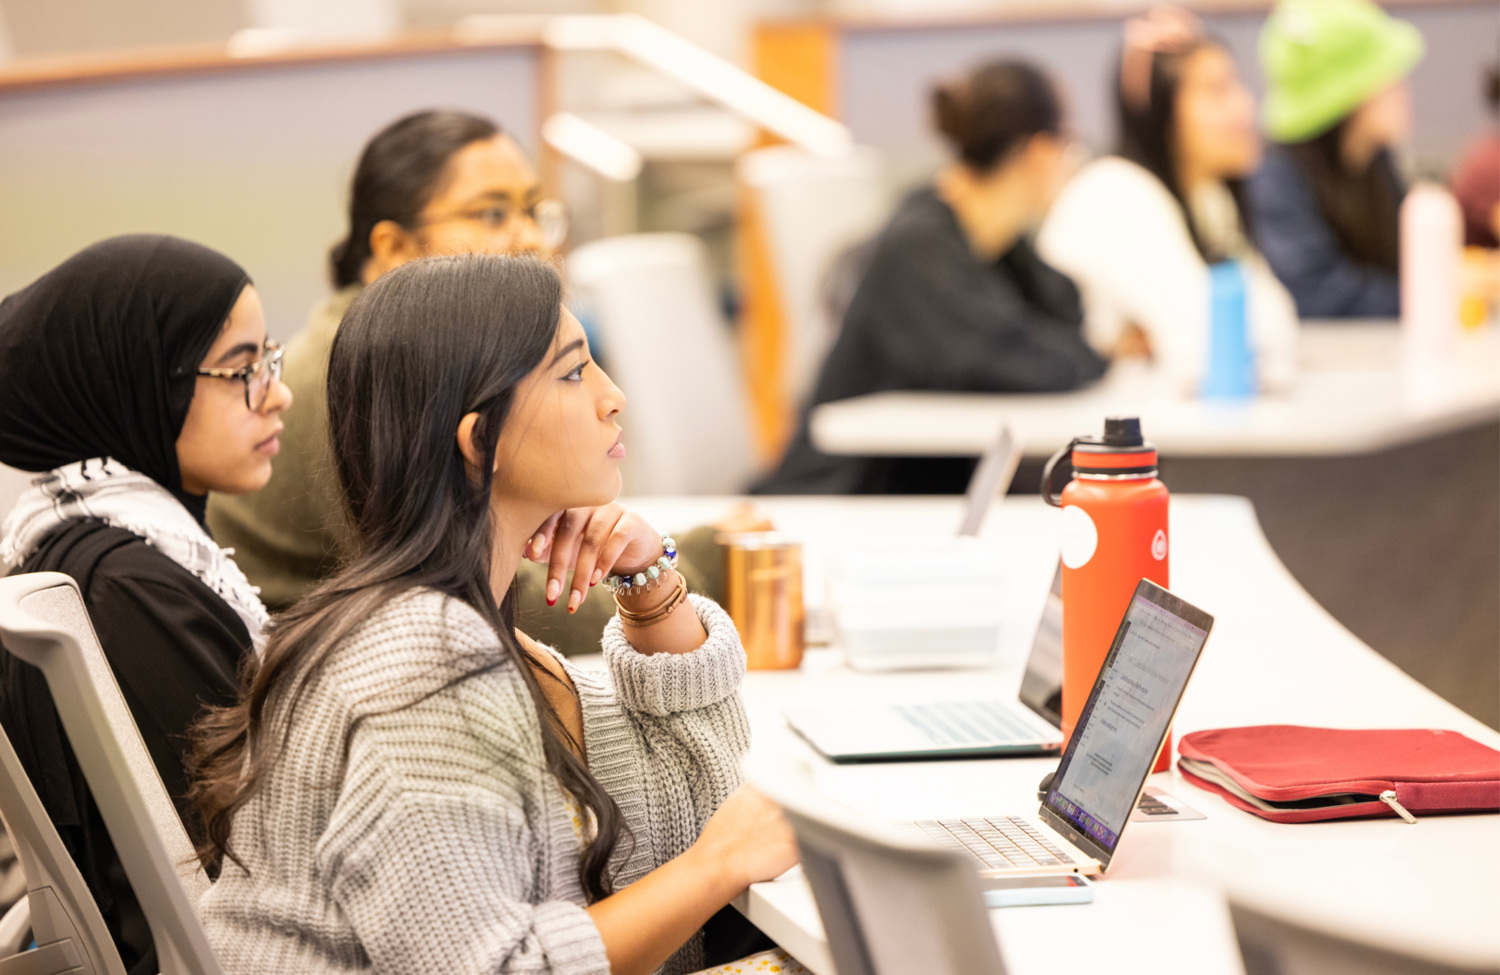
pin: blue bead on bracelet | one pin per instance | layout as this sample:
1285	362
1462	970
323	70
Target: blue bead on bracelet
646	579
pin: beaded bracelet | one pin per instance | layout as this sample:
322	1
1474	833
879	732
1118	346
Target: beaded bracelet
649	577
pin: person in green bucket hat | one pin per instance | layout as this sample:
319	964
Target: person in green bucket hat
1327	198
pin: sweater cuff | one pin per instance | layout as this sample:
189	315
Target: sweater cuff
569	939
666	683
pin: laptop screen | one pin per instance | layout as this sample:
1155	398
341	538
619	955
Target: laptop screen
1041	687
1125	720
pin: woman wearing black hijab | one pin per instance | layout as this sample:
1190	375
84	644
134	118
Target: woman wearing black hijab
135	377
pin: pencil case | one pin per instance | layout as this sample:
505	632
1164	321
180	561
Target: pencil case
1295	774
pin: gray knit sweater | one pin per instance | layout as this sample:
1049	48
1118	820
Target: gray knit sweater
408	829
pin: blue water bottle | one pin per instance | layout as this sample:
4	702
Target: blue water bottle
1231	363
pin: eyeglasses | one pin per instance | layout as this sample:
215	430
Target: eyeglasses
549	216
257	376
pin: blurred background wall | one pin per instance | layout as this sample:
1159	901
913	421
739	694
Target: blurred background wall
254	158
255	162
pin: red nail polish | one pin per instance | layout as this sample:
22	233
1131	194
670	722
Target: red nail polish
552	601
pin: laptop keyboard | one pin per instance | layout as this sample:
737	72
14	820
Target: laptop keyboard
966	723
1000	843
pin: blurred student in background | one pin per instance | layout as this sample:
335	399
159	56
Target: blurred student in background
411	783
136	377
1476	176
954	296
1327	201
435	182
1139	230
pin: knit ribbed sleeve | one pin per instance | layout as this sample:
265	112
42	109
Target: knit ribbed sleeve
666	683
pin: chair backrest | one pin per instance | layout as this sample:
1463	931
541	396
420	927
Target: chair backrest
65	920
813	210
44	622
891	902
1273	945
669	347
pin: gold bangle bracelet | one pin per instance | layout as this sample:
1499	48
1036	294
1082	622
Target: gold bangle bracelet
640	620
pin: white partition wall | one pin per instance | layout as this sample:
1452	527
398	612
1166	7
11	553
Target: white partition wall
253	159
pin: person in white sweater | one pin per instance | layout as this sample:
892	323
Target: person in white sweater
409	784
1137	231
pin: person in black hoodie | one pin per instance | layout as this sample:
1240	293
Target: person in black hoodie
134	378
954	296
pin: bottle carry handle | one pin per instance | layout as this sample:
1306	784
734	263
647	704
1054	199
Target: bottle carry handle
1055	500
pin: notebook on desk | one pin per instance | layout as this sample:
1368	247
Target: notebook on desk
952	729
1114	745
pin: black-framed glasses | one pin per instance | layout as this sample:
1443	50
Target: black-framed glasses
257	376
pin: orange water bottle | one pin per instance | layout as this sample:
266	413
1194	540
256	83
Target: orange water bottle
1114	514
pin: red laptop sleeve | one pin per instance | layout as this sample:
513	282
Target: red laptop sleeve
1292	774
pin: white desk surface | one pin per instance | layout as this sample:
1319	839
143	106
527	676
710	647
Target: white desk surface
1354	394
1275	657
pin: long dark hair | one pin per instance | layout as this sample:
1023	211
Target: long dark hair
423	346
1361	207
1149	137
398	172
994	109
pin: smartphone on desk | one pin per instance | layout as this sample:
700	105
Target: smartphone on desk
1069	888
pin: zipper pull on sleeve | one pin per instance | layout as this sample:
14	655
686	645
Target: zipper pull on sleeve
1389	798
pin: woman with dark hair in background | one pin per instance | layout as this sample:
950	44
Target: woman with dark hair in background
954	297
1139	230
136	377
410	784
1328	199
434	182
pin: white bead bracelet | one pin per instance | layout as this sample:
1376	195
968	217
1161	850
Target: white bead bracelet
646	579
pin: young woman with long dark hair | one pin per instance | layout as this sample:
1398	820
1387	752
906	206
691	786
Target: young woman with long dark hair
433	182
430	183
1327	201
135	378
1139	229
409	783
954	296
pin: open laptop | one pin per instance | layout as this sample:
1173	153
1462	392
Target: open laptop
980	728
952	729
1114	745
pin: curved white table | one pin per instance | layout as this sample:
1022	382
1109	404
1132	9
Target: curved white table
1431	889
1354	394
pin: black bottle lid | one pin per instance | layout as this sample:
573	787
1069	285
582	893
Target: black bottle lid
1123	431
1121	452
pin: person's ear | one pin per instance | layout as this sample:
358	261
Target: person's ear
391	245
1043	151
466	440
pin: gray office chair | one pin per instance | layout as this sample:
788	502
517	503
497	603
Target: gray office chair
1273	945
58	911
892	903
43	622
